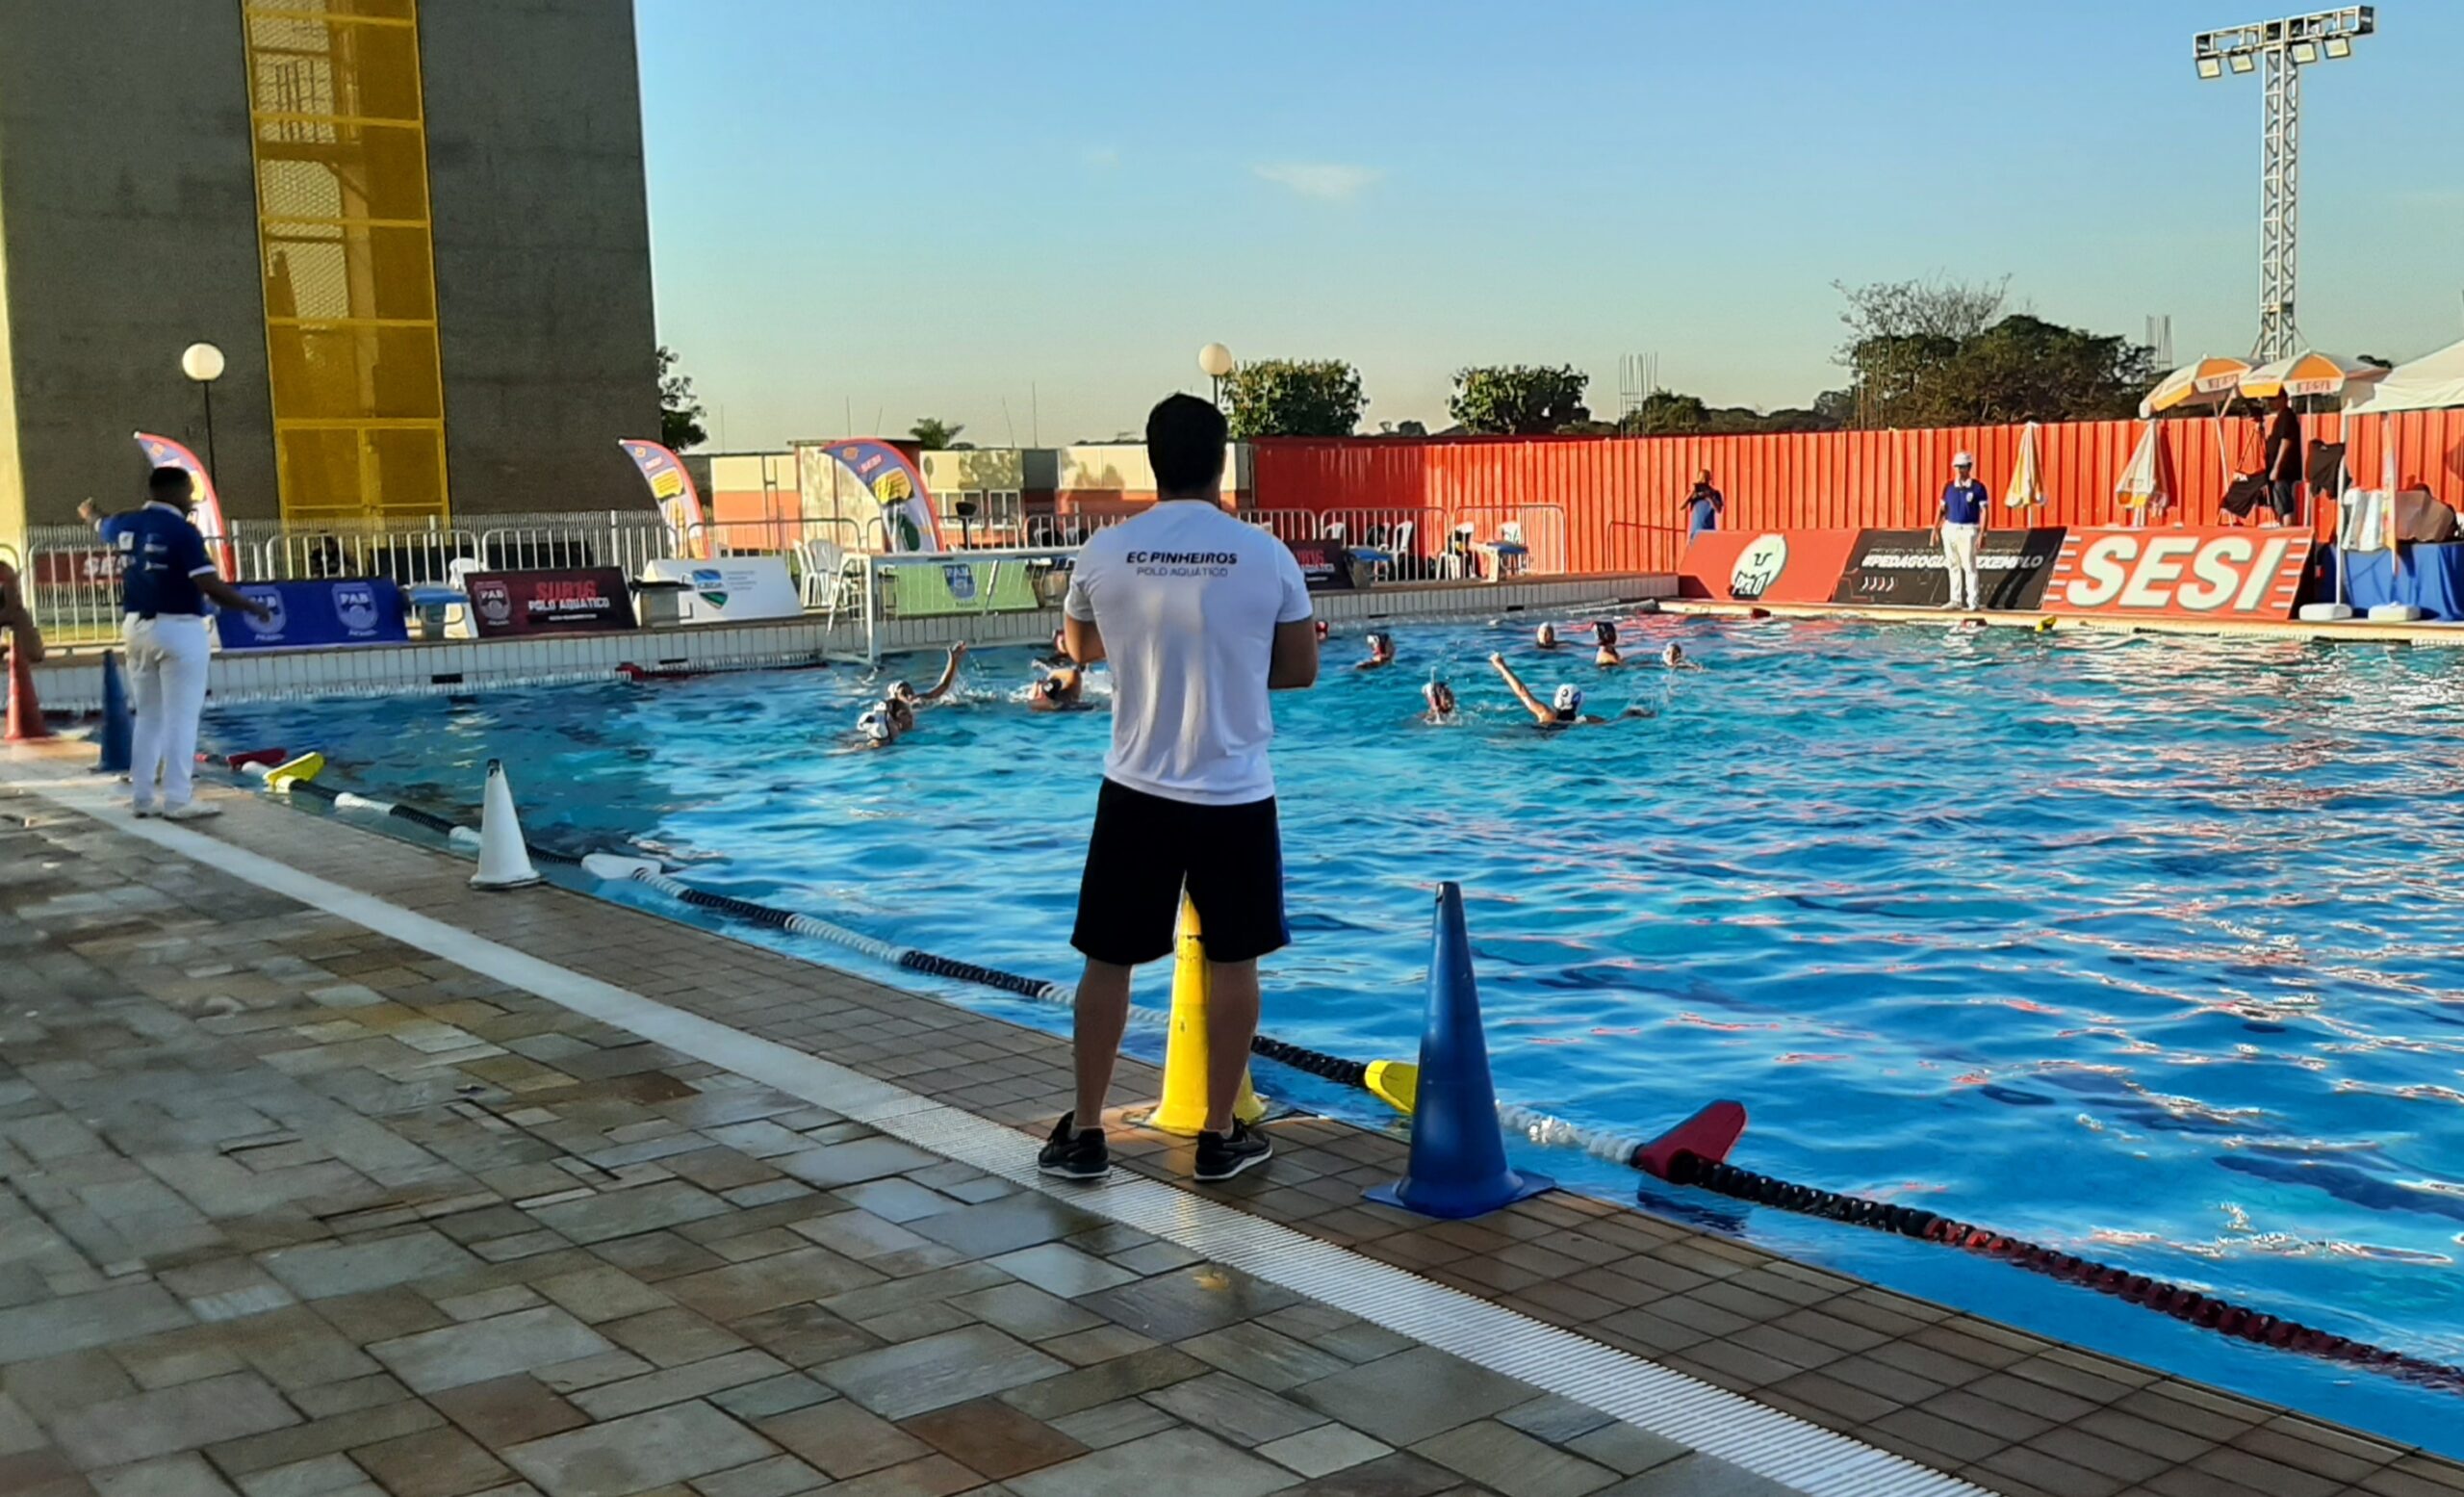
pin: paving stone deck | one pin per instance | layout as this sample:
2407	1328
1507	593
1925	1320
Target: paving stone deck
290	1209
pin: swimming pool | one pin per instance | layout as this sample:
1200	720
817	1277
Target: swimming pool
2143	947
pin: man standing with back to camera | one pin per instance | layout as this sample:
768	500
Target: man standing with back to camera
165	579
1201	615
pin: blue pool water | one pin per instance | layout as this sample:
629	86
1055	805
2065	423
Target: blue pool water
2144	947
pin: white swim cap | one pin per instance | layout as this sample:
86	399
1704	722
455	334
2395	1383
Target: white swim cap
875	726
900	689
1544	633
1569	699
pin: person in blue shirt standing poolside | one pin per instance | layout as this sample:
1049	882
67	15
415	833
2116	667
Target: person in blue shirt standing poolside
165	581
1704	507
1962	523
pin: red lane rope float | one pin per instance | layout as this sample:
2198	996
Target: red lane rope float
2188	1306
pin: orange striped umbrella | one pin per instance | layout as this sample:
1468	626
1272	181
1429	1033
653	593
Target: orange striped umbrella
2309	373
2209	381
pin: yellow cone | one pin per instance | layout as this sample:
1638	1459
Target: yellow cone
1183	1109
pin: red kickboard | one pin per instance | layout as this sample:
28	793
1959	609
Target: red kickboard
1709	1135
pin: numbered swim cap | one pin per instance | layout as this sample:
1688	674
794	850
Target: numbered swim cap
1567	700
875	727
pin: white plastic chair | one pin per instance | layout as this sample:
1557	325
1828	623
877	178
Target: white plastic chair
831	576
1383	558
1507	553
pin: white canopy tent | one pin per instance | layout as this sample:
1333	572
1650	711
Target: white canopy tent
2431	382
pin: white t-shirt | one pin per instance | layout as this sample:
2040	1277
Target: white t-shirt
1186	599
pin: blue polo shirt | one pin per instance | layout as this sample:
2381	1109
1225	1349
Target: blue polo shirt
161	554
1964	503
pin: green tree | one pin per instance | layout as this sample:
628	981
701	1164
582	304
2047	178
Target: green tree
1940	352
935	436
1666	413
1519	400
1294	397
680	413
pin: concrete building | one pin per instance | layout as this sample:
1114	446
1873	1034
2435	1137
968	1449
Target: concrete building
416	229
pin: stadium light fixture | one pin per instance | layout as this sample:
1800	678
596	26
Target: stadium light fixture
2286	47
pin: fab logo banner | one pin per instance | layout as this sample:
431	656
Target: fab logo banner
679	502
897	486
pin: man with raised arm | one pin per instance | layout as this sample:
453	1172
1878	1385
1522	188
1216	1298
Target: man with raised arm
1200	615
1562	710
165	579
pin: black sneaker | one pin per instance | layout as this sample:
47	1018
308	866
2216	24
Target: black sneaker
1073	1154
1223	1155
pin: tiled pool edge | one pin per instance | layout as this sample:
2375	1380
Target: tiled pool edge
72	682
1708	1419
2087	1408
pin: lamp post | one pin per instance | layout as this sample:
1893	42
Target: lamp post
203	362
1215	361
2285	47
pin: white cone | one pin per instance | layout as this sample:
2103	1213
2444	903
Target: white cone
504	862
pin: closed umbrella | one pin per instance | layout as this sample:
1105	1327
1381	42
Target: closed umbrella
2141	485
2026	486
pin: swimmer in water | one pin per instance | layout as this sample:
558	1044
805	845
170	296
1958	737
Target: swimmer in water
878	728
1059	690
1321	631
1564	710
901	713
1381	651
1674	658
941	689
1440	698
1546	636
1605	633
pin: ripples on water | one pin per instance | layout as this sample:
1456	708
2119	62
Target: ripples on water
2145	947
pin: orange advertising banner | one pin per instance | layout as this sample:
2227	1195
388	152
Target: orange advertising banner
1767	566
2235	573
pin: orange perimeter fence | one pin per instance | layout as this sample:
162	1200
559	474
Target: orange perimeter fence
1622	496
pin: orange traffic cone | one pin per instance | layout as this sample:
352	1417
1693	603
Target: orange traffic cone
25	711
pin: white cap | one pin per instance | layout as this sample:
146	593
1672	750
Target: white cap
875	726
1569	698
1963	459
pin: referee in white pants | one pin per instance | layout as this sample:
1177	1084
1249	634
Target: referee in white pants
164	581
1962	523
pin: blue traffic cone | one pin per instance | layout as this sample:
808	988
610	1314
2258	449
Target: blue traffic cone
116	721
1458	1165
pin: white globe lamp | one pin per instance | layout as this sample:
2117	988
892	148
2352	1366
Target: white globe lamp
1215	361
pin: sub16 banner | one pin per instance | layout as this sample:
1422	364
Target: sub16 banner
350	610
164	453
679	502
897	486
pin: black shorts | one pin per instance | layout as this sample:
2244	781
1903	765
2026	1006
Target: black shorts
1144	848
2282	499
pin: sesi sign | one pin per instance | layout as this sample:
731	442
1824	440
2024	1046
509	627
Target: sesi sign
2217	574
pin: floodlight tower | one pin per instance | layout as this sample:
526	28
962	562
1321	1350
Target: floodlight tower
2286	47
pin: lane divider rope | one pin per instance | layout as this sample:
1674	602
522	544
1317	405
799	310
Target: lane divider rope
2189	1305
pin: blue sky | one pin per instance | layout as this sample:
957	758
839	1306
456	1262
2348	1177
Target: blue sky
930	207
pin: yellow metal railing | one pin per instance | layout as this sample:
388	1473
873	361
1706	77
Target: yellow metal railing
340	136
